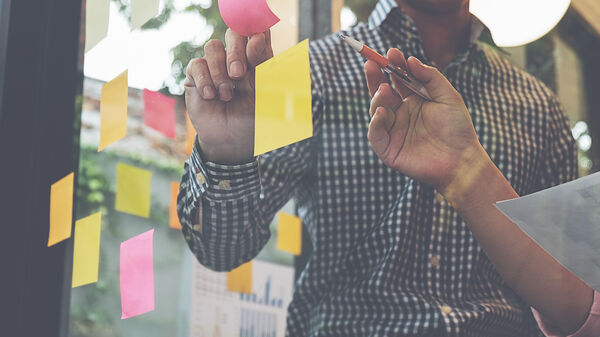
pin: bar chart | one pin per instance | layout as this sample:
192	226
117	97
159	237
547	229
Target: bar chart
262	313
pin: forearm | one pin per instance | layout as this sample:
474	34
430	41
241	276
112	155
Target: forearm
529	270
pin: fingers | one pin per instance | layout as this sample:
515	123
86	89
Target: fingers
259	49
378	134
436	84
374	77
215	57
396	58
385	97
198	78
236	54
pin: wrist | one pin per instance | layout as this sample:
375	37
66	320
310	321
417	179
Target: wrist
225	154
476	180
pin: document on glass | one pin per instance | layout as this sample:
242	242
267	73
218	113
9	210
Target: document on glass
565	221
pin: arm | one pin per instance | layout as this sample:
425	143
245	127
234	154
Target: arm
435	142
227	225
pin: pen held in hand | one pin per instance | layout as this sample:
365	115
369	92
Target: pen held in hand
407	80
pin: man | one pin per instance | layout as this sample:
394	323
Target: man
389	255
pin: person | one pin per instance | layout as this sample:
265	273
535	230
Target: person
389	254
409	131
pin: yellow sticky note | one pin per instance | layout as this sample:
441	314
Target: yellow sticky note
113	111
283	111
142	11
284	34
61	210
133	190
96	22
289	233
173	218
240	279
190	137
86	250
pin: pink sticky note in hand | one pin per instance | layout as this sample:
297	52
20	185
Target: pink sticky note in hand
137	275
247	17
159	112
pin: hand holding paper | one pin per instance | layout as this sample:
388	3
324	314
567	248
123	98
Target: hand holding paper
222	113
247	17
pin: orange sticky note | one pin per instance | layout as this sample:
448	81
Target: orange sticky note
289	233
173	218
61	210
113	111
190	134
86	250
133	190
240	279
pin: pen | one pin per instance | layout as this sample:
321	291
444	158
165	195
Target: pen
409	81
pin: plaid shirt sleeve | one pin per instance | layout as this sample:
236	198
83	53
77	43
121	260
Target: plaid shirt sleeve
225	210
560	162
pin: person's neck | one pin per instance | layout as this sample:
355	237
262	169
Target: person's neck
443	34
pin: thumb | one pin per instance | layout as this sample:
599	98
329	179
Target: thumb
436	84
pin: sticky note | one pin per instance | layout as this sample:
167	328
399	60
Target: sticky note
283	110
173	218
142	11
113	111
190	137
240	279
159	112
289	233
137	275
61	210
86	250
96	22
284	34
247	17
133	190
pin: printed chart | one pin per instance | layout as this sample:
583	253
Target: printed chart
219	312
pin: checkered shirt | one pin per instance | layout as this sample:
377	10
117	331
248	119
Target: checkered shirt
390	256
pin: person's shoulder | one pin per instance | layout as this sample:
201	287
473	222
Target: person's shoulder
525	84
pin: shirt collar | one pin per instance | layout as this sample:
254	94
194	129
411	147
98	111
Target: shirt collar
385	7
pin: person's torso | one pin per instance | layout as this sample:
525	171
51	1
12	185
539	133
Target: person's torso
389	255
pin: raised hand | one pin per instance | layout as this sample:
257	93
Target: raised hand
431	141
219	95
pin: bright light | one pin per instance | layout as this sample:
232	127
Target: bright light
348	18
518	22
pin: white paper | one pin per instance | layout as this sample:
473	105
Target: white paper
565	221
219	312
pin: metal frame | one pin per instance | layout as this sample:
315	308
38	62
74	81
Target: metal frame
315	23
39	144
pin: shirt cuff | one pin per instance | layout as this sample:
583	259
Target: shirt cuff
591	327
225	182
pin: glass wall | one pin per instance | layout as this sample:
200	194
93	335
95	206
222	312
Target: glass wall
155	57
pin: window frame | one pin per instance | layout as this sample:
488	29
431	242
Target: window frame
39	144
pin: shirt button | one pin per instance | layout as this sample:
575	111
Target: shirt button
224	185
435	261
446	309
200	178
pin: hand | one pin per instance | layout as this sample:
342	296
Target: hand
219	95
431	141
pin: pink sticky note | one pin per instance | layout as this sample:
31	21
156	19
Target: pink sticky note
247	17
159	112
137	275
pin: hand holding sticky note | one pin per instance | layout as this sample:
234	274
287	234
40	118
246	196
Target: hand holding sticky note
247	17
